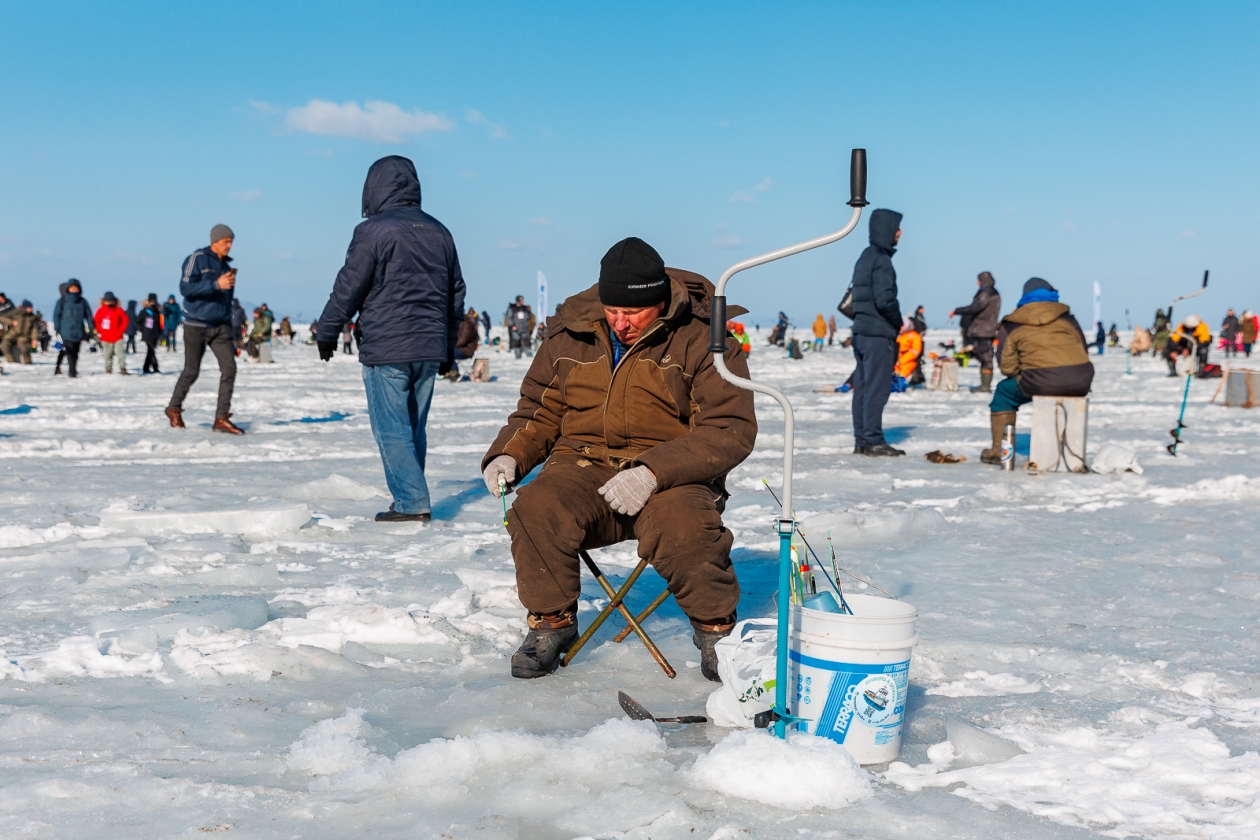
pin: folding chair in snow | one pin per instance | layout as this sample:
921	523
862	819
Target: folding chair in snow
616	601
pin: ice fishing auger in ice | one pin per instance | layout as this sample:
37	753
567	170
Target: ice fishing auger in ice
786	525
1176	433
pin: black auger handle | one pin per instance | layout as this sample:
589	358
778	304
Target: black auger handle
717	325
857	178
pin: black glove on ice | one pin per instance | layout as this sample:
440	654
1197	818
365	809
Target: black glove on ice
327	349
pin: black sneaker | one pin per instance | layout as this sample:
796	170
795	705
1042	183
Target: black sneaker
705	637
859	450
540	653
883	450
392	515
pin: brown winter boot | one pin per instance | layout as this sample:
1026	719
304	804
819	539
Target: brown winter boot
998	421
225	425
705	637
176	416
550	635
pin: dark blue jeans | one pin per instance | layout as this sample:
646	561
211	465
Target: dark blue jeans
1007	396
398	398
872	383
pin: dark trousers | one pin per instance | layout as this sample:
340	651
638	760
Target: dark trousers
150	358
70	350
982	349
679	530
872	383
196	340
131	344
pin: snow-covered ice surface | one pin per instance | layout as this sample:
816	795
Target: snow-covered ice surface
207	634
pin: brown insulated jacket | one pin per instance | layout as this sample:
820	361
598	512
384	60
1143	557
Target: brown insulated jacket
979	319
664	406
1042	344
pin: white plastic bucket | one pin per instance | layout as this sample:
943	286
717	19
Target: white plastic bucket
851	672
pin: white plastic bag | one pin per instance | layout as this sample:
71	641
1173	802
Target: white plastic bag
1114	458
746	664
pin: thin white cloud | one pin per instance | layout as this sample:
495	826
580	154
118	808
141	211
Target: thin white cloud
493	129
1188	234
379	122
541	221
727	242
1067	226
509	245
746	196
264	107
248	196
132	258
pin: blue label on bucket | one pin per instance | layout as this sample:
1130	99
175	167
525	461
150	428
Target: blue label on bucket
873	695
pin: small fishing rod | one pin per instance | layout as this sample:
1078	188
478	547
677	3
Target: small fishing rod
811	551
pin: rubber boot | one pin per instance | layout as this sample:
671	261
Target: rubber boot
998	421
986	379
705	638
549	637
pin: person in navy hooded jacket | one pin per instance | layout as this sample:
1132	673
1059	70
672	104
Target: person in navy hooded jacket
403	285
876	324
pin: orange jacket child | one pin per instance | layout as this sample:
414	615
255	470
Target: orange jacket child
909	346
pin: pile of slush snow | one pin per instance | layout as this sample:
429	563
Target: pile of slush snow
204	633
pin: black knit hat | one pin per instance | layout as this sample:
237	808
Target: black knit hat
632	274
1036	283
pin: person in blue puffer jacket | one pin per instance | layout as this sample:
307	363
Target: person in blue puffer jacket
72	320
876	324
402	284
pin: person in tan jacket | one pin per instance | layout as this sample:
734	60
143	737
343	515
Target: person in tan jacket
637	432
1042	352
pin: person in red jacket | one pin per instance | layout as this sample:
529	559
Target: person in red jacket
111	326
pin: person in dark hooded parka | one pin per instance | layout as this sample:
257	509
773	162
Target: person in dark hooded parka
403	284
979	325
72	320
131	327
876	324
1043	353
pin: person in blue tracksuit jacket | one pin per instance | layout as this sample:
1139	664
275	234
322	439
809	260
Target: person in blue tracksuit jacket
208	285
402	284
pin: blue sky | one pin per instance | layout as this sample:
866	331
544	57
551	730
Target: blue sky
1108	142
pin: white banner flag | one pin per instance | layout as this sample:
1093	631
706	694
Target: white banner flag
1097	302
542	298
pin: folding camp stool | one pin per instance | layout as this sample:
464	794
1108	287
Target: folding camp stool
634	623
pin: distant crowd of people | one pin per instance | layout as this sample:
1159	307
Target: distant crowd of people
1186	346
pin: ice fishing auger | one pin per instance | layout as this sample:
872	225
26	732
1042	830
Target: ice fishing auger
786	524
1176	433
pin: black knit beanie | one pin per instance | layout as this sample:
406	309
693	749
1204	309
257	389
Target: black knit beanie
632	274
1035	283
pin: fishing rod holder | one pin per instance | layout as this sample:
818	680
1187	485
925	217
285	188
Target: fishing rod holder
717	346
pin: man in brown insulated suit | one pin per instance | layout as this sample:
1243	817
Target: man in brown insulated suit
979	326
1042	352
638	432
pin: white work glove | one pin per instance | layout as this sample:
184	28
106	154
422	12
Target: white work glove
502	467
627	492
